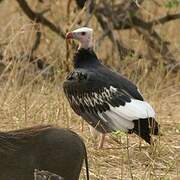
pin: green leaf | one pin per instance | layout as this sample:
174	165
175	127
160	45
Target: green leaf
172	4
118	133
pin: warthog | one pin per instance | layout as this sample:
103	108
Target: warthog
46	175
48	148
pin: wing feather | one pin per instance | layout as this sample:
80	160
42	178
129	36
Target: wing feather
105	104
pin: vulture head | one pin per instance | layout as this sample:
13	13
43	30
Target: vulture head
84	35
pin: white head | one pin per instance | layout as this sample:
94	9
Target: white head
84	35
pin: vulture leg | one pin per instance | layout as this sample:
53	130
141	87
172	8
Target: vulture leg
82	126
95	134
101	143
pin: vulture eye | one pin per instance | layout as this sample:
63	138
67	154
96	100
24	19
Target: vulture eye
83	33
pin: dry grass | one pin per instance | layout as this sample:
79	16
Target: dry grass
39	101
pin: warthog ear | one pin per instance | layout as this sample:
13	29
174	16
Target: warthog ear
46	175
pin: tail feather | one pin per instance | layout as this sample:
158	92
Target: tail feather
145	127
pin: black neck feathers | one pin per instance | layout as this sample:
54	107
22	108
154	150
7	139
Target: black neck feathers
85	58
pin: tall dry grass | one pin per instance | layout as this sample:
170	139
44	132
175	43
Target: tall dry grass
40	101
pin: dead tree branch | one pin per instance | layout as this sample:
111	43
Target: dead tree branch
158	45
148	25
124	16
103	13
37	40
126	13
39	18
119	14
123	51
165	19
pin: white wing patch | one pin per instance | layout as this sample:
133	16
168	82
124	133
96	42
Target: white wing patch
115	121
117	118
121	117
135	109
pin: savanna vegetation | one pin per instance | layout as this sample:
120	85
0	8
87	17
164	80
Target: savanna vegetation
138	38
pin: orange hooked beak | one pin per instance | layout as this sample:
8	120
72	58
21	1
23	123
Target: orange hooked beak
69	35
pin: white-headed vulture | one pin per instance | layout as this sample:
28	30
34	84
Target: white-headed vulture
105	99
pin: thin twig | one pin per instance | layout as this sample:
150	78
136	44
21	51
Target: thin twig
39	18
37	40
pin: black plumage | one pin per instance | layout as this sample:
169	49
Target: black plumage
95	93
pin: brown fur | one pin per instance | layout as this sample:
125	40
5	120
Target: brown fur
57	150
8	140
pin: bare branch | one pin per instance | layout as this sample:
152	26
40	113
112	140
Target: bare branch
148	25
123	51
120	14
103	12
39	18
159	45
37	40
123	15
165	19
